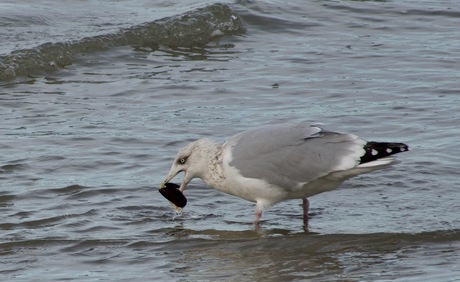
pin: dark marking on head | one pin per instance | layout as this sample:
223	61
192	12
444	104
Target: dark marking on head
182	160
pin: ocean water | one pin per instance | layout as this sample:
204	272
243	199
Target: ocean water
96	97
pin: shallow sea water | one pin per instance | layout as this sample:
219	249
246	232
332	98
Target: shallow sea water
85	145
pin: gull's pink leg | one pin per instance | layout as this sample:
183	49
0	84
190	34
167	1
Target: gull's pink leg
257	215
306	206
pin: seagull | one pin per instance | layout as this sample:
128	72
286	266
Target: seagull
274	163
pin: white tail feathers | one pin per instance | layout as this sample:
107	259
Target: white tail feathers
378	162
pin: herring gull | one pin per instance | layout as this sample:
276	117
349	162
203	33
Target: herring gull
274	163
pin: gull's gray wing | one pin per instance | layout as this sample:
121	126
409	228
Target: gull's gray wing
289	155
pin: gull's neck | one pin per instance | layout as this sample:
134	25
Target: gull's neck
213	174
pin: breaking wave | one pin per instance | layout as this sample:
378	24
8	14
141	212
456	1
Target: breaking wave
194	28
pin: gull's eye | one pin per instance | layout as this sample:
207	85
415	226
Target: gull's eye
182	160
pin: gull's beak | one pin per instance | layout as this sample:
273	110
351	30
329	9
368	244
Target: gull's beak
173	174
168	178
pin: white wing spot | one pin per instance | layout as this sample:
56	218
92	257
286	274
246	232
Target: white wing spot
389	150
374	152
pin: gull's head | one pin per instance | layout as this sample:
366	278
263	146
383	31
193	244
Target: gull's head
193	160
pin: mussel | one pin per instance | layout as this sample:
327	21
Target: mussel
172	193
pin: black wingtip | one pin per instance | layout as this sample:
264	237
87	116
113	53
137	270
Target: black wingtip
378	150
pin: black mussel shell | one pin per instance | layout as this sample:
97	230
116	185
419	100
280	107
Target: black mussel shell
172	193
171	185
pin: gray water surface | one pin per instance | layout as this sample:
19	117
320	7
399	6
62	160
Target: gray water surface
86	143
